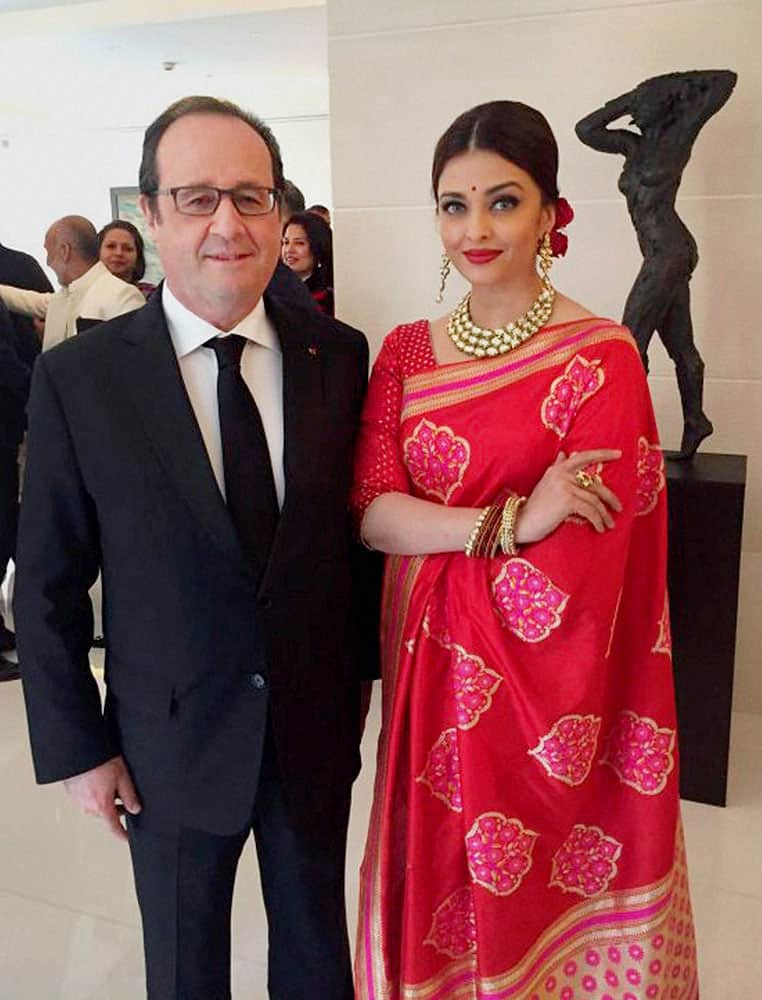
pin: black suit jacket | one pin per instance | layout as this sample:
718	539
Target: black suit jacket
18	349
23	271
118	479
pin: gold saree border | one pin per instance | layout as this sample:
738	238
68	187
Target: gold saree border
370	973
449	385
459	981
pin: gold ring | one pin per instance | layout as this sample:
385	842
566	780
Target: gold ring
583	479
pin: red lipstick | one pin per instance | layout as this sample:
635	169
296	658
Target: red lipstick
481	256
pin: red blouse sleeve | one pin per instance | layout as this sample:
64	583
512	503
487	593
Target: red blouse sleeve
379	467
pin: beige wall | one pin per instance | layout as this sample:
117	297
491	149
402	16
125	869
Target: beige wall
401	70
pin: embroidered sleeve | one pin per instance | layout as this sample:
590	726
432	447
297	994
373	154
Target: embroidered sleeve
379	467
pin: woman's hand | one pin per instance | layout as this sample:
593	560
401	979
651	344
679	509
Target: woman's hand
558	496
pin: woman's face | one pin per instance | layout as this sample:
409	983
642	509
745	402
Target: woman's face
491	218
296	251
119	253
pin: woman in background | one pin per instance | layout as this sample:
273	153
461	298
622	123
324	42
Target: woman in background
525	839
308	250
122	250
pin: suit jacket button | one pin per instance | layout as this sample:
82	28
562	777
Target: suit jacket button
257	681
266	603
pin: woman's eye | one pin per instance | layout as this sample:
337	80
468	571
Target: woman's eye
452	207
505	202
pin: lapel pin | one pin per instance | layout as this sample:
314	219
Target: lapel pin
312	350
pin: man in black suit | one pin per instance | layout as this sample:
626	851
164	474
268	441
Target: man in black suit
220	527
19	346
22	270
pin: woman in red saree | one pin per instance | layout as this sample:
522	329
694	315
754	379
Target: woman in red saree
525	838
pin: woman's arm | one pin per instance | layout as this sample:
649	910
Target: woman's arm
400	524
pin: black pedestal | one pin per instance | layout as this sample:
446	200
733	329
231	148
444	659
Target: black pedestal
706	498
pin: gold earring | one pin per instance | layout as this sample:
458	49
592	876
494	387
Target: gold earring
444	272
545	262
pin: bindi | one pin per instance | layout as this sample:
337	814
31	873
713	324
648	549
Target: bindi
473	188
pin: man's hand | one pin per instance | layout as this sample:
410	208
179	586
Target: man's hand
96	792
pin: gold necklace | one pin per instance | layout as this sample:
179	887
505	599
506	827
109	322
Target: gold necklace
486	343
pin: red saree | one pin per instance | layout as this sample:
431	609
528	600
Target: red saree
525	838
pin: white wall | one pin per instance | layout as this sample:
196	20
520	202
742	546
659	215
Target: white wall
74	104
401	71
75	180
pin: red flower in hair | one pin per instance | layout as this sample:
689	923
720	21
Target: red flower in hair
558	240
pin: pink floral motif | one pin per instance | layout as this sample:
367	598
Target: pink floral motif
474	685
586	862
436	459
453	929
568	750
499	852
528	602
442	772
650	477
641	754
581	379
664	638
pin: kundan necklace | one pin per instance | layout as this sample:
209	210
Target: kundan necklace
485	343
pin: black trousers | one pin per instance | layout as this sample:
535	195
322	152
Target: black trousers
185	890
9	507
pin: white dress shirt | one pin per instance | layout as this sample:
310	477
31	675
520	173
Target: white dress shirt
261	368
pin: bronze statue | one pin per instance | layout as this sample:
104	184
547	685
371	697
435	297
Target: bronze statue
669	112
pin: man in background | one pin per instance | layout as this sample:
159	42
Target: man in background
22	270
89	294
19	346
322	211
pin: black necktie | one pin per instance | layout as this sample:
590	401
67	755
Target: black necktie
249	485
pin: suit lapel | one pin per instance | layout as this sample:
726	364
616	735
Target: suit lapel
150	371
299	332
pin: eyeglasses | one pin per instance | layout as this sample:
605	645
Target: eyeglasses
204	200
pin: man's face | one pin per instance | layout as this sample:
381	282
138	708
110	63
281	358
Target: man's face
216	265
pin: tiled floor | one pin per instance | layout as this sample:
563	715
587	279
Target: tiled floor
69	925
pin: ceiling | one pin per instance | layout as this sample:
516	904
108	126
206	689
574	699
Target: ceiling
113	75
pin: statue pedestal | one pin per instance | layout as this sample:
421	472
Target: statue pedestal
706	498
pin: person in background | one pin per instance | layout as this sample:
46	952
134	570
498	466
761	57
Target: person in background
19	346
307	249
292	200
89	294
22	271
525	838
122	249
322	211
18	350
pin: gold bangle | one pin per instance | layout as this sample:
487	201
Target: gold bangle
508	525
485	540
472	538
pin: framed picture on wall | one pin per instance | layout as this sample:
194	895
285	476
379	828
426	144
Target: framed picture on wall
124	205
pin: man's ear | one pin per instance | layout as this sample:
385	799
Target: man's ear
65	250
150	212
